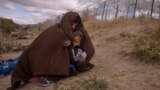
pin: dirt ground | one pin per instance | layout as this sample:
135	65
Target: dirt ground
120	72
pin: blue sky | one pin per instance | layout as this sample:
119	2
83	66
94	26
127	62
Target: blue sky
35	11
17	12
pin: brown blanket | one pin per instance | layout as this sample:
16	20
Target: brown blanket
47	54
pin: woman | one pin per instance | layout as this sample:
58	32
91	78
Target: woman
48	55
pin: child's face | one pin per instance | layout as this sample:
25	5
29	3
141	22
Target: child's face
74	25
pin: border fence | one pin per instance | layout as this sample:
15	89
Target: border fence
112	9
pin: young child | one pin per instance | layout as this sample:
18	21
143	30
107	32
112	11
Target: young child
77	51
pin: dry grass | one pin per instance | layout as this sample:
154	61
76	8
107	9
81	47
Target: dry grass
94	25
120	75
9	42
6	44
147	45
86	82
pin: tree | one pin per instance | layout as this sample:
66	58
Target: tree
104	7
135	7
128	6
152	8
159	10
117	10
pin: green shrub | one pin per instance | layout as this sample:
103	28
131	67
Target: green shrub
7	26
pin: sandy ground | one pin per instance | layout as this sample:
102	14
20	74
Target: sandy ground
123	72
120	72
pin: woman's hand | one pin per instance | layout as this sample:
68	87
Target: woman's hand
67	43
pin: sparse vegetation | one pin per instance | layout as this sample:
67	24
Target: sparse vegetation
91	82
94	25
147	45
94	83
11	32
105	34
5	44
7	26
125	35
